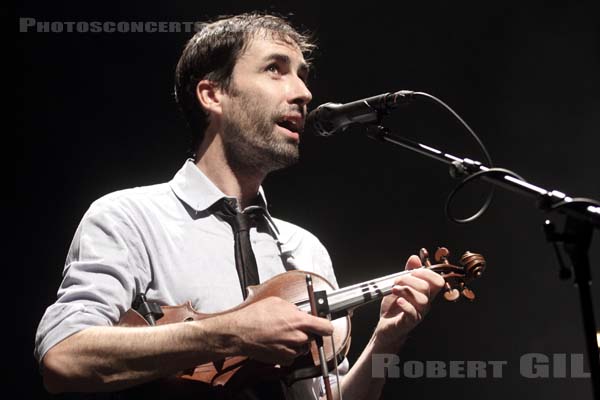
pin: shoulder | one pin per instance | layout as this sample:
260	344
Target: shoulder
132	196
294	236
129	210
304	250
131	201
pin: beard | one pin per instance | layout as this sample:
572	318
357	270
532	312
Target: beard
249	137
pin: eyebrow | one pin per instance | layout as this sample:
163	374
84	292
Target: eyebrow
285	59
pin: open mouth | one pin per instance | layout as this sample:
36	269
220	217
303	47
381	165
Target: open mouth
289	125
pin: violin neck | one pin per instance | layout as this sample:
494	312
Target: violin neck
343	301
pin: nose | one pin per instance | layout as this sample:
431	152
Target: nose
299	93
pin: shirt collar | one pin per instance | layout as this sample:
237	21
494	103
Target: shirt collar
196	190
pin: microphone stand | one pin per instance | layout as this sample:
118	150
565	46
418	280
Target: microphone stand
582	217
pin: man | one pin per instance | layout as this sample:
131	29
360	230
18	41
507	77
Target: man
241	82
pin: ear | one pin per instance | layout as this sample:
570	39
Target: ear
210	96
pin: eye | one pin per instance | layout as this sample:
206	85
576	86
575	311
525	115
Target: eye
273	68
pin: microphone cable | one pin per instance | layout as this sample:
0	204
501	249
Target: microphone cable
472	177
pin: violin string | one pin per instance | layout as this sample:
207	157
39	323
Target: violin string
375	289
350	292
374	286
372	291
377	280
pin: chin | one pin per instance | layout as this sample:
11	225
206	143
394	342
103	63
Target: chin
280	160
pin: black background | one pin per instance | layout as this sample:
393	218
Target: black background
95	113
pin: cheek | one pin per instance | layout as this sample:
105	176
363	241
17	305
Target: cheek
250	114
260	102
261	106
270	91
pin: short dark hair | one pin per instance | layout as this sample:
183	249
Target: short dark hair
212	53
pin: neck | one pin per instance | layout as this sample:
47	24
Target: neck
343	301
241	183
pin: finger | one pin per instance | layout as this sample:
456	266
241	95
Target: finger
317	325
434	280
282	355
414	297
410	312
302	349
413	262
296	339
415	282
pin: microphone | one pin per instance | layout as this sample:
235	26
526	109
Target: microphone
329	118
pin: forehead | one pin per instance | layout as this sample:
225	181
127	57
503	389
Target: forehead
261	47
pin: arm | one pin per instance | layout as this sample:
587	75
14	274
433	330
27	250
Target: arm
400	313
112	358
106	358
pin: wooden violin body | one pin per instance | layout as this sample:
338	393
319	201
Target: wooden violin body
234	373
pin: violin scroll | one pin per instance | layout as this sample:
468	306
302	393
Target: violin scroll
471	267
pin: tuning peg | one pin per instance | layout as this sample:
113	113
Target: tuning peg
441	255
468	293
450	293
424	256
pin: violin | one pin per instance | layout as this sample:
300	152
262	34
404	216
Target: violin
234	373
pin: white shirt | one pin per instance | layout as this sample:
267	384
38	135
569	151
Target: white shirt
162	241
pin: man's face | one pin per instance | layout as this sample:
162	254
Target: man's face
265	106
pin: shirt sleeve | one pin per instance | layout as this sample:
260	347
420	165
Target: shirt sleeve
104	269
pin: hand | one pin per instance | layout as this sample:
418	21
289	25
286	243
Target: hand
274	331
408	304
